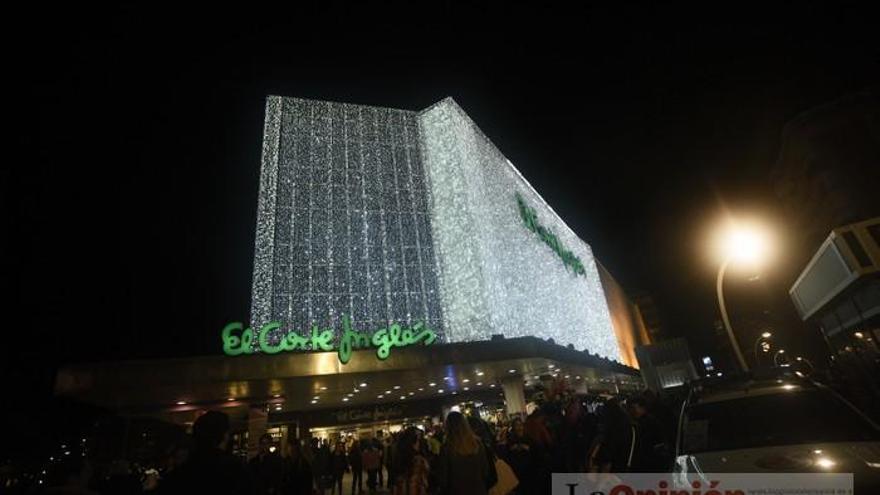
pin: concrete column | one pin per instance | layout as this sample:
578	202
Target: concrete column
514	394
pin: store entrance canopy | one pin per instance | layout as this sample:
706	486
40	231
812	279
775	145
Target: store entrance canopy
317	380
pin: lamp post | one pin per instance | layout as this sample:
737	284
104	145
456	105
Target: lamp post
725	319
741	244
780	352
801	359
763	336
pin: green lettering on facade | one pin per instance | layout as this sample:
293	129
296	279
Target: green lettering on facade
530	219
238	340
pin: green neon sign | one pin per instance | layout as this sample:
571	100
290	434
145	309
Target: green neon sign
530	218
238	340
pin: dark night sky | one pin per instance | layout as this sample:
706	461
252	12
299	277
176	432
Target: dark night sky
133	198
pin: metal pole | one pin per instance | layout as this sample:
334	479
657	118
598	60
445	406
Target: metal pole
726	320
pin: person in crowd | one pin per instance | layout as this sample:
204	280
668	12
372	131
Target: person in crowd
355	460
266	468
322	467
210	468
651	446
463	467
535	477
487	438
372	461
298	477
69	476
388	457
379	443
338	466
612	447
411	466
578	431
517	450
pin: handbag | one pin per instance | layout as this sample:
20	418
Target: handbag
507	479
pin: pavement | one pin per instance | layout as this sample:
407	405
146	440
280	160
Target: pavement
346	486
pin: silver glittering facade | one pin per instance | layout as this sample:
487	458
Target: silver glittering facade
398	216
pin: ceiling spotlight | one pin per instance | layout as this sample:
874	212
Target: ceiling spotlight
397	387
345	399
363	384
387	391
447	378
511	371
479	373
440	391
402	397
412	393
421	389
323	388
181	403
466	380
276	396
314	402
230	399
466	389
492	386
380	396
479	384
317	397
432	384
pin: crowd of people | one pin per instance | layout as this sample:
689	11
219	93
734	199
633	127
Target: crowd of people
464	455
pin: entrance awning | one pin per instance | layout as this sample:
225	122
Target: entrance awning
315	381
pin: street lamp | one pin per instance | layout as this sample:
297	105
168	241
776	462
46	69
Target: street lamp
780	352
741	244
764	336
801	359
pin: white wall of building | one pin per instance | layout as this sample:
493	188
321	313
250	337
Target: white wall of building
496	275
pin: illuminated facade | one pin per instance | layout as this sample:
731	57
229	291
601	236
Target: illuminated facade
392	216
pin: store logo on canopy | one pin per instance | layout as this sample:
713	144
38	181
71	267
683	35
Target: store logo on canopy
238	340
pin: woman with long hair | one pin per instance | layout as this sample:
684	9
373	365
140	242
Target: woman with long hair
411	466
463	466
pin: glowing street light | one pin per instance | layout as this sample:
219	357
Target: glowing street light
741	244
763	338
780	352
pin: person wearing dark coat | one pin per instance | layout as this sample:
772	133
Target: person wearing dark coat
613	446
266	468
357	468
210	469
338	466
652	450
298	476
